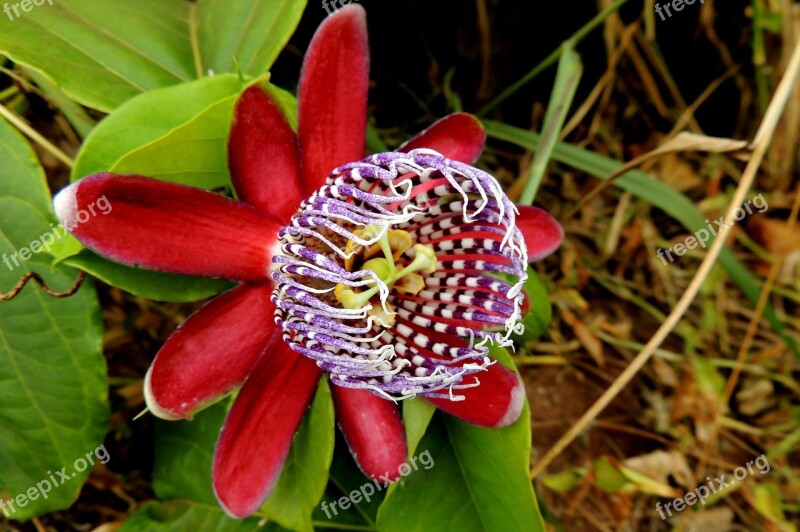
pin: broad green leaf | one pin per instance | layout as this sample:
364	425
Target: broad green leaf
186	515
245	33
420	502
346	477
305	471
23	177
194	153
654	192
158	115
64	247
417	415
147	283
103	52
184	451
478	478
53	404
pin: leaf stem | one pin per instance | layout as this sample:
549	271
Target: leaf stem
10	91
195	39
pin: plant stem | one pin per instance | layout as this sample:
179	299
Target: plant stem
34	135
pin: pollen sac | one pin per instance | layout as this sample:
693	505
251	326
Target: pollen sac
396	274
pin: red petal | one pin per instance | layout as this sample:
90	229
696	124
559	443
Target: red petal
263	155
459	136
542	233
211	353
333	96
163	226
496	403
259	429
373	429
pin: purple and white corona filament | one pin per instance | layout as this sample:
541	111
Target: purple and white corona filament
396	274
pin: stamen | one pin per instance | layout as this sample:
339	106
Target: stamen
384	268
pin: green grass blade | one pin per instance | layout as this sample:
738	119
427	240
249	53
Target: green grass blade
569	74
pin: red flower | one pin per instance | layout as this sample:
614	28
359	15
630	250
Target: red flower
234	340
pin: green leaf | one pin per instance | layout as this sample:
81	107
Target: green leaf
568	76
654	192
251	32
185	515
417	415
53	404
23	177
64	247
184	452
103	52
305	471
161	116
194	153
345	478
148	283
478	479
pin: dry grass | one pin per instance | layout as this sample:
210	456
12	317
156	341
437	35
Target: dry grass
670	370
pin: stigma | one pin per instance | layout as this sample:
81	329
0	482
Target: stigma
381	260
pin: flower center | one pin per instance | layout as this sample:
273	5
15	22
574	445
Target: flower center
392	245
397	273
